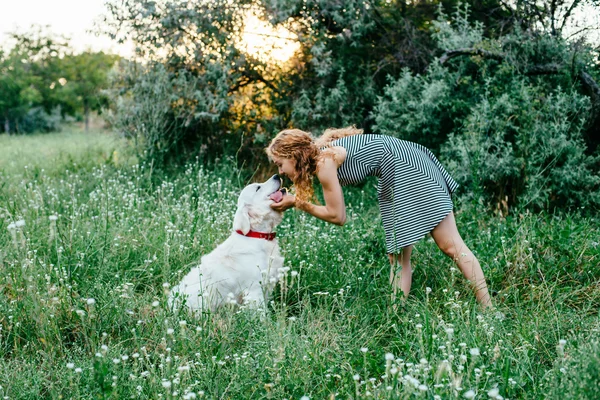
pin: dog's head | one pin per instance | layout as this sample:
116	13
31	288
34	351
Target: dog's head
254	210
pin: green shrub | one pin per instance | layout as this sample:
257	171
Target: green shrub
166	113
525	147
508	117
38	120
415	108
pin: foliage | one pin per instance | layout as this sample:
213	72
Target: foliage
41	77
508	115
219	96
86	76
89	239
166	112
479	87
416	108
18	95
346	50
554	17
516	147
349	48
38	120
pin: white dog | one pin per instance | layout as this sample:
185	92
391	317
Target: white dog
244	268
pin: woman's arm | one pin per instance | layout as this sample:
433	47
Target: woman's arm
334	210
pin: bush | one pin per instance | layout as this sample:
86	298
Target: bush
38	120
415	108
509	136
526	147
167	113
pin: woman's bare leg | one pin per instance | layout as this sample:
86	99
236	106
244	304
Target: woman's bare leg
448	239
400	278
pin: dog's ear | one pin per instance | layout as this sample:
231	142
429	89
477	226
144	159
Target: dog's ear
241	221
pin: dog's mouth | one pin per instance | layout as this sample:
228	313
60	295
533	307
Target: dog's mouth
277	196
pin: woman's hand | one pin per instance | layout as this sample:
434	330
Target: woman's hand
288	201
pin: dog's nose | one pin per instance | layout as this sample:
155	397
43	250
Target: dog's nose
276	177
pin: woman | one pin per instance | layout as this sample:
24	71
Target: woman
414	193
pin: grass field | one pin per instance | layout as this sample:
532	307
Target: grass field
90	242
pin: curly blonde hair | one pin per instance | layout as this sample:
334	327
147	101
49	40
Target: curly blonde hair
305	150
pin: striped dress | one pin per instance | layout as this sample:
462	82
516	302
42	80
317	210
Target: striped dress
414	188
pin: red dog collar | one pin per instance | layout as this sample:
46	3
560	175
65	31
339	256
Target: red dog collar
258	235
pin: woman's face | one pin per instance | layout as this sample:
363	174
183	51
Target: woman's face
287	166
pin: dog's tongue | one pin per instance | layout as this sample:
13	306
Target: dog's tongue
276	196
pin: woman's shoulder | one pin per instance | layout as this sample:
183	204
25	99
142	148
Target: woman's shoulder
336	153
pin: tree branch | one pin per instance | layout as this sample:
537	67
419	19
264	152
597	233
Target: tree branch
470	52
543	69
592	86
567	15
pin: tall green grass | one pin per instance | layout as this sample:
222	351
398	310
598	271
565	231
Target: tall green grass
90	242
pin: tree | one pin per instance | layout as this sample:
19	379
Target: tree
86	76
42	78
18	90
42	51
347	49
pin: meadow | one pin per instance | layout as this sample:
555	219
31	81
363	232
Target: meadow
91	241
